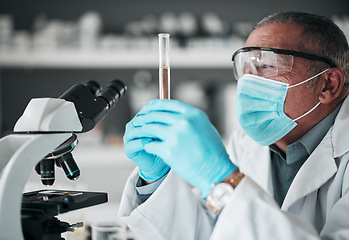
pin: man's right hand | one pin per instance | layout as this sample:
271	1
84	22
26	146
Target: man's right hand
151	167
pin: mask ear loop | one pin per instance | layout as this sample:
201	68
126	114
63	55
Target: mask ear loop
297	84
296	119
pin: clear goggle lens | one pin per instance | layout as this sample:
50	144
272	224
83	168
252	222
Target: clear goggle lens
261	63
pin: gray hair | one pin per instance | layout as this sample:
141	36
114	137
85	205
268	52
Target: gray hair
321	33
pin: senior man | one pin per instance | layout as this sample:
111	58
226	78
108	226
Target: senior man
286	174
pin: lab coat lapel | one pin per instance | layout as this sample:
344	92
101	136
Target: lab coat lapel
321	165
315	172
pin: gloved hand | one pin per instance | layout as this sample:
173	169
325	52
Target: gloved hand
151	167
184	138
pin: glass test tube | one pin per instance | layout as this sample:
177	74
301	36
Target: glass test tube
164	65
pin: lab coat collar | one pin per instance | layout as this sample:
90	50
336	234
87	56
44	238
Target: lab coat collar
321	165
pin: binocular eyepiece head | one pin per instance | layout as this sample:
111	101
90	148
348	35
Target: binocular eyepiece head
111	93
92	102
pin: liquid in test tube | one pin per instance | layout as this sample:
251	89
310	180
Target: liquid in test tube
164	65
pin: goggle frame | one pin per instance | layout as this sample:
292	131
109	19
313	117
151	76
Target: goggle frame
284	52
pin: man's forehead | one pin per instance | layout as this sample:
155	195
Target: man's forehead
276	35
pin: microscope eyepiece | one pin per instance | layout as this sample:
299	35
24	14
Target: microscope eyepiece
113	92
94	87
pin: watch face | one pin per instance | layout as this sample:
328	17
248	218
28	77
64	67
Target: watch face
219	196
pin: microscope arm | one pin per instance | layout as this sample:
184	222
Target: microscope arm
21	152
55	119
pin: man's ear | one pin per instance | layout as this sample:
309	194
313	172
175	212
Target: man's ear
332	86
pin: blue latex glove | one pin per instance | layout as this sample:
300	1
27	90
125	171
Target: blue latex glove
151	167
184	138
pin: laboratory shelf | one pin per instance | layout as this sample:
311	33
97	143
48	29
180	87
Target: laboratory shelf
179	58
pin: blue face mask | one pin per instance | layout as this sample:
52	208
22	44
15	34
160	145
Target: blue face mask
260	108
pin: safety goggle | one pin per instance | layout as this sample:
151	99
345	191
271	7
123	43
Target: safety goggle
267	62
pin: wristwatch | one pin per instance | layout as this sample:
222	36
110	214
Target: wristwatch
220	193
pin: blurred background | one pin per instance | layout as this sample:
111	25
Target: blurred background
48	46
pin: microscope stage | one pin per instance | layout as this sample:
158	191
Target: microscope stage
54	202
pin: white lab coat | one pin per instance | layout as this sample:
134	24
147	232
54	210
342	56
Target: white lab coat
316	205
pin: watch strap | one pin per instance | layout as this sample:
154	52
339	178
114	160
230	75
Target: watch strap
234	178
217	202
